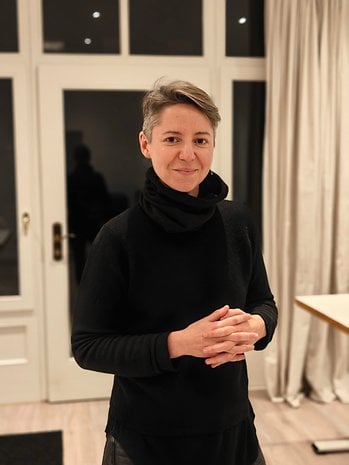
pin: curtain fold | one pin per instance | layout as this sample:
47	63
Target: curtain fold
306	191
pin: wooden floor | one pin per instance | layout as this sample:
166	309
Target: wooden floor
285	433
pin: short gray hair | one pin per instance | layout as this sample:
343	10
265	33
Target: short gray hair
172	93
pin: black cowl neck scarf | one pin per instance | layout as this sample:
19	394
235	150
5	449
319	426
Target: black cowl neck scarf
178	211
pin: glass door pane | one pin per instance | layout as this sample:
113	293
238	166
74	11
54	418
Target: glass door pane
168	27
104	167
8	26
81	26
244	26
248	135
9	266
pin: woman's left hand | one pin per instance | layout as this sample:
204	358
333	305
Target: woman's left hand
231	346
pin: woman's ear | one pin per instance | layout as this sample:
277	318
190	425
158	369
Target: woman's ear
144	144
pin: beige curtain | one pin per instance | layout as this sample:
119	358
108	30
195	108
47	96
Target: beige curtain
306	191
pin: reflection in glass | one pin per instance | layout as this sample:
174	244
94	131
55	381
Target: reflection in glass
89	205
8	26
9	279
244	21
159	27
81	26
248	135
105	170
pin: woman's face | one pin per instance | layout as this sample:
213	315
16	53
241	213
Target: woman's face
181	147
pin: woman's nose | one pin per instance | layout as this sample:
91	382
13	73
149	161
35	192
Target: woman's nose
187	153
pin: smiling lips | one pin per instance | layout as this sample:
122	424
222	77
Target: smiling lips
185	171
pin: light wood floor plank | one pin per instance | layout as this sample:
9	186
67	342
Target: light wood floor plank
285	433
82	424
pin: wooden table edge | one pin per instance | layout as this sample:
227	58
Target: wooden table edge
326	318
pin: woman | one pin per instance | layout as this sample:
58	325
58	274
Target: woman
173	295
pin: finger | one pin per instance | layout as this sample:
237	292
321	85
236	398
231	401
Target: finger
228	346
224	358
237	318
215	349
231	324
233	320
229	352
241	348
218	314
234	311
226	331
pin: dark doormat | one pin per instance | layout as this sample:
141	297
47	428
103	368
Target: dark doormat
32	449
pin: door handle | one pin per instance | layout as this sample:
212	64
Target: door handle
57	238
57	241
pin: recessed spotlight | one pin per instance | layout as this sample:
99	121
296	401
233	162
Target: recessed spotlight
96	14
87	41
242	20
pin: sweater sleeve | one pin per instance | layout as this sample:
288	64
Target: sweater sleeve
99	339
260	300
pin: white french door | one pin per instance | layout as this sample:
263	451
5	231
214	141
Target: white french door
97	108
19	320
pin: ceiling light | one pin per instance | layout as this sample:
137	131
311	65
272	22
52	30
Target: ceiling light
242	20
87	41
96	14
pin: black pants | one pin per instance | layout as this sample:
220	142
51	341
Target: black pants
114	454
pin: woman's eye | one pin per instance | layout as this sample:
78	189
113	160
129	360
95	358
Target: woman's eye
201	141
171	139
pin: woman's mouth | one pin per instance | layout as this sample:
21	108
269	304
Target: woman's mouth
185	171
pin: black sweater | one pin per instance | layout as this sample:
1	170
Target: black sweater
154	269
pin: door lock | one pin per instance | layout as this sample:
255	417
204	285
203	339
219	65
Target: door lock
25	222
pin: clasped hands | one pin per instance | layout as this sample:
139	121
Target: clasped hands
223	336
